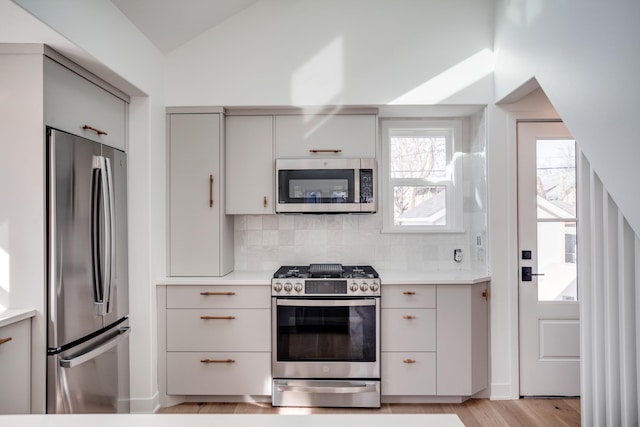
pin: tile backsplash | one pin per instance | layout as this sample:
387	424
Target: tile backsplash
265	242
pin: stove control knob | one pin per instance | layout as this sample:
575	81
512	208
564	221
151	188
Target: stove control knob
354	287
374	287
364	287
297	287
288	287
277	286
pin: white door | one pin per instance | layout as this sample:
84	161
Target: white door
548	292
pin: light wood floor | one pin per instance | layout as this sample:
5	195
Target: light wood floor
473	412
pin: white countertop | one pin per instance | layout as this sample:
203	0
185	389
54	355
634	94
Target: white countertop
10	316
388	277
232	420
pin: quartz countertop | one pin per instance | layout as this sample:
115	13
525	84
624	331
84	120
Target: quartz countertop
232	420
9	316
387	277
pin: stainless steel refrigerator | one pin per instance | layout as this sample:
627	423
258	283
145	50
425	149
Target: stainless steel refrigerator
87	276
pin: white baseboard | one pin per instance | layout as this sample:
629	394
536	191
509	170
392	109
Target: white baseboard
502	391
145	406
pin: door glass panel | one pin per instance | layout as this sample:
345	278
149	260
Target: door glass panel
557	261
556	178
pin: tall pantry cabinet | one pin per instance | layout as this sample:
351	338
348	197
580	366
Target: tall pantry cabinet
200	233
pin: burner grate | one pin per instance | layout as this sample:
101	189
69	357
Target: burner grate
326	270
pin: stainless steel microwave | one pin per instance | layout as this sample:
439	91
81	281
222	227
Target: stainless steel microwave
326	185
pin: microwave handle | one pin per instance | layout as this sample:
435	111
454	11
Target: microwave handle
334	151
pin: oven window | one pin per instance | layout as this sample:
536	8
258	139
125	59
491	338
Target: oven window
316	186
326	334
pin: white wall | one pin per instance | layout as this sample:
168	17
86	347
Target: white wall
586	57
333	52
97	36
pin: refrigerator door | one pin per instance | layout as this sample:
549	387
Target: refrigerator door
118	301
92	377
73	312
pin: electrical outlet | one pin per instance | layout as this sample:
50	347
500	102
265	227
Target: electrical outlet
457	255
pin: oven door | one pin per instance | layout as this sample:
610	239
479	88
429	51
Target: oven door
326	338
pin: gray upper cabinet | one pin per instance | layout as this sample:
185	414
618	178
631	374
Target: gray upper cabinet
74	104
250	165
326	135
200	234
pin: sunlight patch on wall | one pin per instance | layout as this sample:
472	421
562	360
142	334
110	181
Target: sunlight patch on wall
451	81
320	80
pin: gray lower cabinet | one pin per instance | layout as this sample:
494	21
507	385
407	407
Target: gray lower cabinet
15	368
434	340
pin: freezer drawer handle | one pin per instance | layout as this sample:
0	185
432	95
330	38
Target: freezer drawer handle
73	361
5	340
364	388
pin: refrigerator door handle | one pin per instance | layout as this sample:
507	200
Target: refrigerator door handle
110	263
102	244
73	361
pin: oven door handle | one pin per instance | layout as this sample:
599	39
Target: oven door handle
326	303
352	389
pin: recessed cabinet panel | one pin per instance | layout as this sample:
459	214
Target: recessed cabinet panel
408	329
250	165
354	135
409	296
221	373
245	296
407	374
15	368
218	330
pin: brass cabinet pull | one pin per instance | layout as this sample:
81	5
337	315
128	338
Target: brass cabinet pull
210	191
409	361
98	131
408	293
207	294
409	317
217	317
217	361
485	294
335	150
264	201
4	340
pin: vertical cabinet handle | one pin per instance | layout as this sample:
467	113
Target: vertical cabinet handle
210	191
264	201
5	340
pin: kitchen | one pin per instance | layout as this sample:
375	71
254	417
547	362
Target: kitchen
148	156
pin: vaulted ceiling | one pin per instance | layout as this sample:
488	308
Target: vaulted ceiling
171	23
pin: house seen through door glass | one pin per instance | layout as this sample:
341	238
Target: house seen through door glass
556	219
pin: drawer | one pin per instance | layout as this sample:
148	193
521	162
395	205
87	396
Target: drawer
219	296
219	330
407	374
71	101
225	374
408	329
408	296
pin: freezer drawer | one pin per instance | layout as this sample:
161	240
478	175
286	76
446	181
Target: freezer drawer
92	377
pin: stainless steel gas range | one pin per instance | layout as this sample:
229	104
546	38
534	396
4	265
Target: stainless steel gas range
326	336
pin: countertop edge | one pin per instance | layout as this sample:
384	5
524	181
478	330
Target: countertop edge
12	315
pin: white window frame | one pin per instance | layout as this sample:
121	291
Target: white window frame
452	182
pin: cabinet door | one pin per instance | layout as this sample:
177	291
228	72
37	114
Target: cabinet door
354	135
250	170
15	368
194	195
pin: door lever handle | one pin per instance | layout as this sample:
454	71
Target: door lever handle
527	274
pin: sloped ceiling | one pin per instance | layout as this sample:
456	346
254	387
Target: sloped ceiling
171	23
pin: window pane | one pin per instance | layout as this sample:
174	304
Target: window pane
557	261
419	205
556	178
418	156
